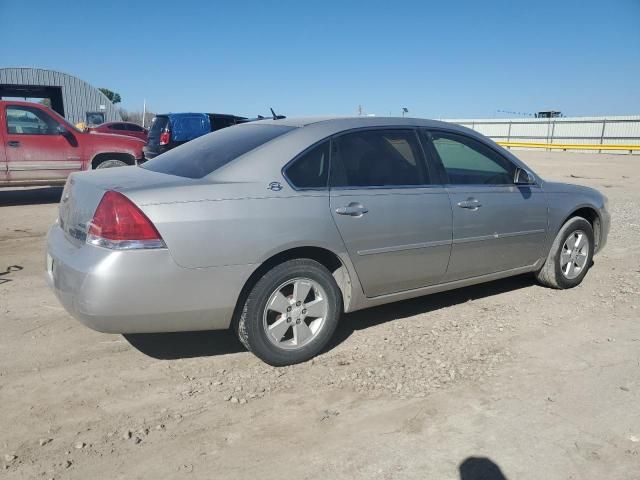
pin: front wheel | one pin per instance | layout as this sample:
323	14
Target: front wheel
291	313
570	256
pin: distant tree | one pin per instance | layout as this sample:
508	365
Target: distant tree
46	102
112	96
136	117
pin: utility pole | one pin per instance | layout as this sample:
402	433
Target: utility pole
359	110
144	110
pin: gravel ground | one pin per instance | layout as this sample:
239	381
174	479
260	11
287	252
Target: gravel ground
536	382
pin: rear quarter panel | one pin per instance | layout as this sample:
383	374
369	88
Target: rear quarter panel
245	230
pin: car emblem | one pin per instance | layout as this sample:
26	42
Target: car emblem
275	186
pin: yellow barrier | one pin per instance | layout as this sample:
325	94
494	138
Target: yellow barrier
570	146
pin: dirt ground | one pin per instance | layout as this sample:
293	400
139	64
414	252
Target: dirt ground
507	376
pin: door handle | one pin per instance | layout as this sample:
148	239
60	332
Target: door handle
352	210
13	143
470	204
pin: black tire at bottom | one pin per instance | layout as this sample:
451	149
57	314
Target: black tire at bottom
250	326
551	274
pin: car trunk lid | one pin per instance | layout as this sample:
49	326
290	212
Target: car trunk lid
84	190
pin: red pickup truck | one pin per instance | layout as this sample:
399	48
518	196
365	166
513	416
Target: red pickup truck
39	147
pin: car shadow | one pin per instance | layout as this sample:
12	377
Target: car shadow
480	468
171	346
29	196
363	319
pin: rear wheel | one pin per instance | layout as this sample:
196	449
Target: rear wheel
291	313
570	256
110	163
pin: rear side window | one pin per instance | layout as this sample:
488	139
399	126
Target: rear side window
204	155
378	158
469	162
310	170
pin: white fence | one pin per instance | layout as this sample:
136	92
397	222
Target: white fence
609	130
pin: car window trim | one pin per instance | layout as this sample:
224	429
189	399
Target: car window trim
422	160
433	163
428	130
283	170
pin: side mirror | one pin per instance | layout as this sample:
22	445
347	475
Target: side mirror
523	177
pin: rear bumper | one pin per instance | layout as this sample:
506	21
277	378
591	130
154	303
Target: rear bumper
141	291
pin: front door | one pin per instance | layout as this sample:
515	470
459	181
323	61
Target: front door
395	224
35	150
497	226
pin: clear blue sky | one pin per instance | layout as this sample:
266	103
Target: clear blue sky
438	58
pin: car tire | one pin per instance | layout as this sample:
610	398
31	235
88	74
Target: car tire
274	323
566	267
111	164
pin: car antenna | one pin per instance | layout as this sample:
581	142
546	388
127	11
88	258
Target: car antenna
275	117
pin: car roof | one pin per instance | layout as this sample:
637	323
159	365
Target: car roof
22	103
343	123
303	132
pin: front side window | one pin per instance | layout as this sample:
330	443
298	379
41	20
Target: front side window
30	121
311	170
468	162
378	158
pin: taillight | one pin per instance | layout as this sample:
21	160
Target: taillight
120	225
164	138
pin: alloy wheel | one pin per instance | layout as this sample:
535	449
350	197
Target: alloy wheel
295	313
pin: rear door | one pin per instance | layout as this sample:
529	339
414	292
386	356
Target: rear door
497	225
395	222
35	151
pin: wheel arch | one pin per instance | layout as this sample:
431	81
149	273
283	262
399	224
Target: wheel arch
324	256
591	215
100	157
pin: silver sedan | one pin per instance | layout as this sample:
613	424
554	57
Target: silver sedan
276	228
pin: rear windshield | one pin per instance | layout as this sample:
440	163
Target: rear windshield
200	157
158	125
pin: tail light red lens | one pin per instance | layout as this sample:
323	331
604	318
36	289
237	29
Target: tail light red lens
164	138
119	224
